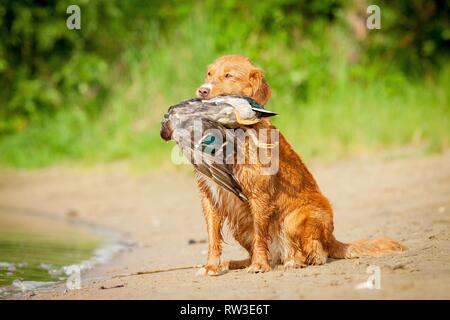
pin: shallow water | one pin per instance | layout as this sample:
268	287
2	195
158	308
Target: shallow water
36	252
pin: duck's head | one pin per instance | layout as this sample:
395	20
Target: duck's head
166	130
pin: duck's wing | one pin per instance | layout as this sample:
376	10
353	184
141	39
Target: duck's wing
221	175
208	154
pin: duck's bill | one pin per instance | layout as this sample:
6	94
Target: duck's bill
265	113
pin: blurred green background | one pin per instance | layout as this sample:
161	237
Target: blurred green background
97	94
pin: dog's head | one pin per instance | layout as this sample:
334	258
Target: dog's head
235	74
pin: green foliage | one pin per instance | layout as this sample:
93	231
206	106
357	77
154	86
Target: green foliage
416	35
45	67
98	94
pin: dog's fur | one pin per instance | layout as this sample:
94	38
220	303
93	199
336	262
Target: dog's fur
287	219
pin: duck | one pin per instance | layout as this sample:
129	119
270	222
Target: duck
230	110
199	128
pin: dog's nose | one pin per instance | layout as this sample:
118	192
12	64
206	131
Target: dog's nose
203	92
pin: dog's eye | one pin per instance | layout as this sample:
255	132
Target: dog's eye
209	73
228	75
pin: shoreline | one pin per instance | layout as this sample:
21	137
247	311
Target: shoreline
111	243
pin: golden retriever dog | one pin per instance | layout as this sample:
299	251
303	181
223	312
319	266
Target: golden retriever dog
286	220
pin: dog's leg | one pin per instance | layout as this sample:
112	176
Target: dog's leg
213	219
294	260
261	208
240	223
305	234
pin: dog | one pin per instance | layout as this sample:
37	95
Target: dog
286	220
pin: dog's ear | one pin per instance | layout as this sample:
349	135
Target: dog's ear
261	90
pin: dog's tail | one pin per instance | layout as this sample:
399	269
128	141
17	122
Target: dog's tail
361	248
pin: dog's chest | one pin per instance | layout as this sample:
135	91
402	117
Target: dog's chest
235	211
214	191
240	220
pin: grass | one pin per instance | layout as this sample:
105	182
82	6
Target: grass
366	120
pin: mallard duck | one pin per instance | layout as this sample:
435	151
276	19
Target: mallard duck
230	110
183	122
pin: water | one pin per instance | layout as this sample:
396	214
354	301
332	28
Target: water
38	252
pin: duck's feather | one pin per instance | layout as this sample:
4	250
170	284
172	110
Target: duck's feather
209	156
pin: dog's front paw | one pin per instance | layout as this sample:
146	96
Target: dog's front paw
292	264
210	270
257	267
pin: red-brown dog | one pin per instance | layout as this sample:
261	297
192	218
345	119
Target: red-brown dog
286	219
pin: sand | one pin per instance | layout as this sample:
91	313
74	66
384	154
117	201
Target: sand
158	213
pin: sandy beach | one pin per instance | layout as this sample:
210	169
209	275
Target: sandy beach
159	215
